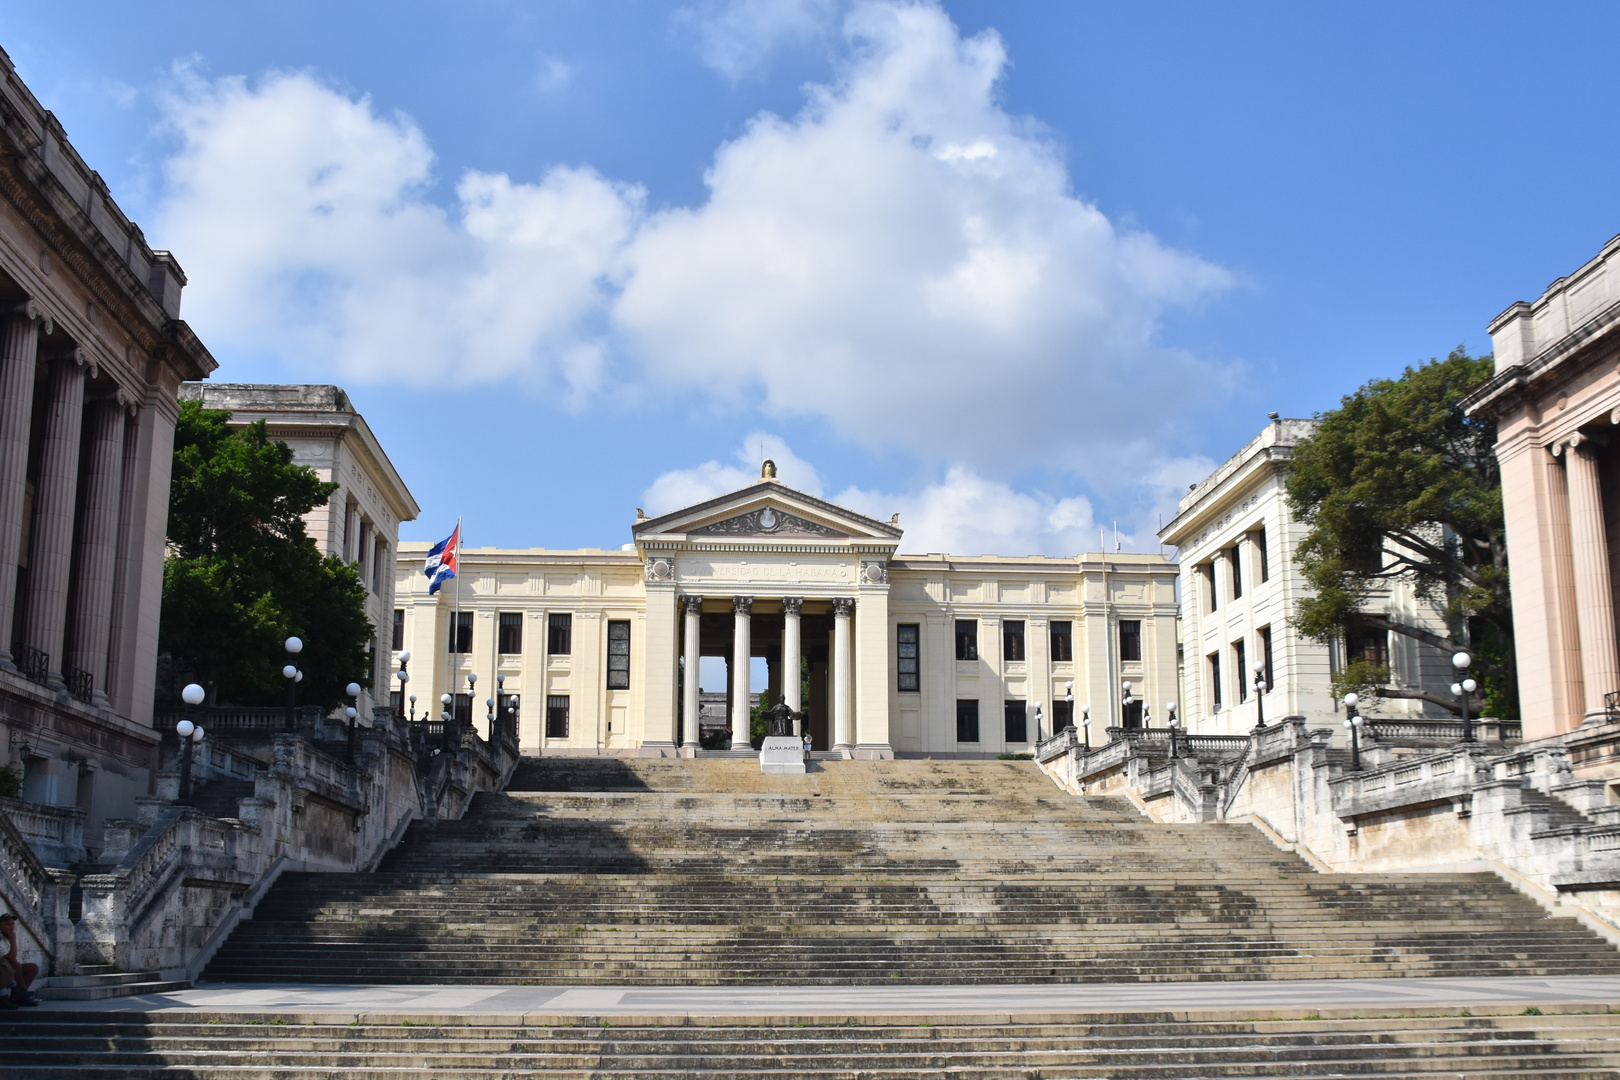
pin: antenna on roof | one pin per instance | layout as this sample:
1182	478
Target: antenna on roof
1116	535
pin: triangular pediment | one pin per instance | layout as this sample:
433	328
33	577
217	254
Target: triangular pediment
766	511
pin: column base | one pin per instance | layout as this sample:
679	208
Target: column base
689	750
874	752
1594	716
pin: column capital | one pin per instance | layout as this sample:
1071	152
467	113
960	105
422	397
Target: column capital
843	607
742	605
792	605
692	605
30	310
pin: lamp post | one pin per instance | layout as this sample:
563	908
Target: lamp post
472	692
446	716
404	677
1260	689
1462	689
1125	702
500	688
189	732
1175	725
1353	722
1068	697
1085	726
353	690
293	676
1038	715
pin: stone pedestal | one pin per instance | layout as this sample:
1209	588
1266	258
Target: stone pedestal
782	754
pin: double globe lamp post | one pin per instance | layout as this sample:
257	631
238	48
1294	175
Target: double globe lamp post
1353	723
189	732
1462	688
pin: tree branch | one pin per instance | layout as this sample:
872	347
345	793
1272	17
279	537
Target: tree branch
1445	701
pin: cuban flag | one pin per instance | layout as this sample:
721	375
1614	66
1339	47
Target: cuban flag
441	561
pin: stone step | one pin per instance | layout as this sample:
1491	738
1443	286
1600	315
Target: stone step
103	983
212	1045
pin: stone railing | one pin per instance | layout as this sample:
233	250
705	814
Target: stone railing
1486	730
169	888
234	722
56	833
1518	810
37	894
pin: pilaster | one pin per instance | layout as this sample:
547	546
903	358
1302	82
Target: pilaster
873	675
660	653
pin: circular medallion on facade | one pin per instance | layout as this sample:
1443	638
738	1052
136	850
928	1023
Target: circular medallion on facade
768	519
660	569
874	572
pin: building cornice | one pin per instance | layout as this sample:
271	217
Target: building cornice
37	167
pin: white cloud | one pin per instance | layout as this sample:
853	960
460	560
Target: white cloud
736	37
902	258
305	223
907	260
687	487
554	74
967	514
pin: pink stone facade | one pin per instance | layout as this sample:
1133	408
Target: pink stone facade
1556	401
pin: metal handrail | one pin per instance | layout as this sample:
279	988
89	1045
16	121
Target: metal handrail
34	663
80	683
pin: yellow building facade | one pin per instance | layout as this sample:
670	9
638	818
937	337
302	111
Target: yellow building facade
934	655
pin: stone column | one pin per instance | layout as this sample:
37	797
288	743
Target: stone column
120	646
19	342
741	648
98	547
51	550
843	737
692	606
791	607
1594	598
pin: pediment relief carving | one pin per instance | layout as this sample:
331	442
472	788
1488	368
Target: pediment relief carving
766	521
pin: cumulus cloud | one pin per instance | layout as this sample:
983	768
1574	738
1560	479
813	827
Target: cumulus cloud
687	487
306	222
907	260
736	37
968	514
902	257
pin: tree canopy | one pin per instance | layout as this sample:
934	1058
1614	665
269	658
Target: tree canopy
243	575
1398	484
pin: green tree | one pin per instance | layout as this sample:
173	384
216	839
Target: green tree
1398	484
242	574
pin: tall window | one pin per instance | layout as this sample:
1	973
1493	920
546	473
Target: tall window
511	632
1015	717
1130	640
1214	665
462	709
1012	640
1234	559
967	720
618	654
559	634
379	566
396	701
1263	557
1062	642
1131	715
1207	573
907	639
1264	636
399	629
557	716
1371	646
461	631
1240	660
509	706
1062	715
967	642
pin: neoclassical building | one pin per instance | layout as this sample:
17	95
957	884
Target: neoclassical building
895	654
1235	538
92	355
1556	402
360	521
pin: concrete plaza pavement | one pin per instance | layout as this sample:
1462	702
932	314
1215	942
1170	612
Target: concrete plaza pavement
546	1004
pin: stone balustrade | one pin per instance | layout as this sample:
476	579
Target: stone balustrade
56	833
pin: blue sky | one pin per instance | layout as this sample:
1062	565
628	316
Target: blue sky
1014	271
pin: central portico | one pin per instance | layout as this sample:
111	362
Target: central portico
769	572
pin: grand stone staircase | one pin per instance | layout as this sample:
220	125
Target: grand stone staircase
706	872
214	1046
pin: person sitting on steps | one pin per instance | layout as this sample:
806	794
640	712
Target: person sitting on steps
15	977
